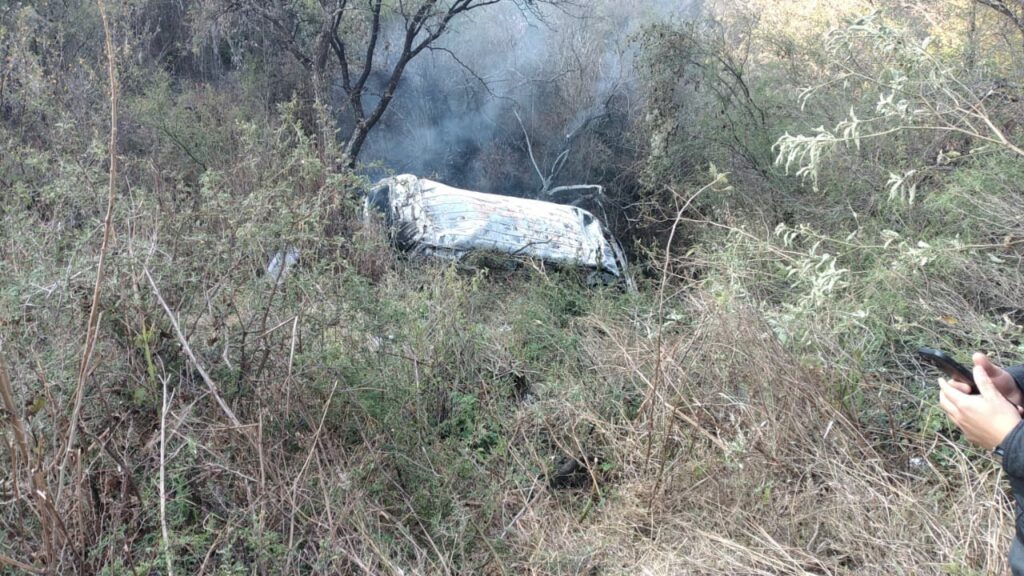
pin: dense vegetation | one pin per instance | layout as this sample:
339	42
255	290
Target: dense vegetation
809	190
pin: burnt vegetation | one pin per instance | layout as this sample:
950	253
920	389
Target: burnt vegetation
808	191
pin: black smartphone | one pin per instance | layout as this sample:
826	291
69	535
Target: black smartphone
947	364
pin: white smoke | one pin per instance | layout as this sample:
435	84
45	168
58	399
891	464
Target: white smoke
455	102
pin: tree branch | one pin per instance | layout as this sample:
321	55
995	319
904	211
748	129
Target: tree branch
470	71
287	35
529	148
370	48
1005	10
412	46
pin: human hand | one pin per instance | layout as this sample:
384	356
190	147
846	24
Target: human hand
1003	381
985	418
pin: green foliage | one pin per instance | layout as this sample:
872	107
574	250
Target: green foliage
913	87
192	130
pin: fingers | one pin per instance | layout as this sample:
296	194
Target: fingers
984	419
951	390
957	378
957	384
949	408
981	359
948	398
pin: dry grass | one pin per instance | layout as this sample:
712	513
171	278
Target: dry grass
756	472
378	415
411	421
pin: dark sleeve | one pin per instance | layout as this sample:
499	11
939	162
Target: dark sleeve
1018	375
1013	456
1013	463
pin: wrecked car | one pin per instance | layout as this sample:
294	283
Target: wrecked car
431	218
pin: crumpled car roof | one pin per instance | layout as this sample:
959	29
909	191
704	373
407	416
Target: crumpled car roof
434	218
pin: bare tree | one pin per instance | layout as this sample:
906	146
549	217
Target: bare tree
346	40
572	194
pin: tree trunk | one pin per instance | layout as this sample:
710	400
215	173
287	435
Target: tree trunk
321	92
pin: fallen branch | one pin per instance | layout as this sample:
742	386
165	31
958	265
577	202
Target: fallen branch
6	561
191	356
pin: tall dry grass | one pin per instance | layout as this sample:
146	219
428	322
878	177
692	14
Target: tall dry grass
756	470
375	415
425	420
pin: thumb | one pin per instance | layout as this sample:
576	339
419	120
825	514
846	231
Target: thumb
984	381
983	361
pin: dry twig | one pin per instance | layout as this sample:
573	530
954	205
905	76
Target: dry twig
211	387
92	328
305	465
164	404
39	491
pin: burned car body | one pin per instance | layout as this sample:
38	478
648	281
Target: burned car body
431	218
